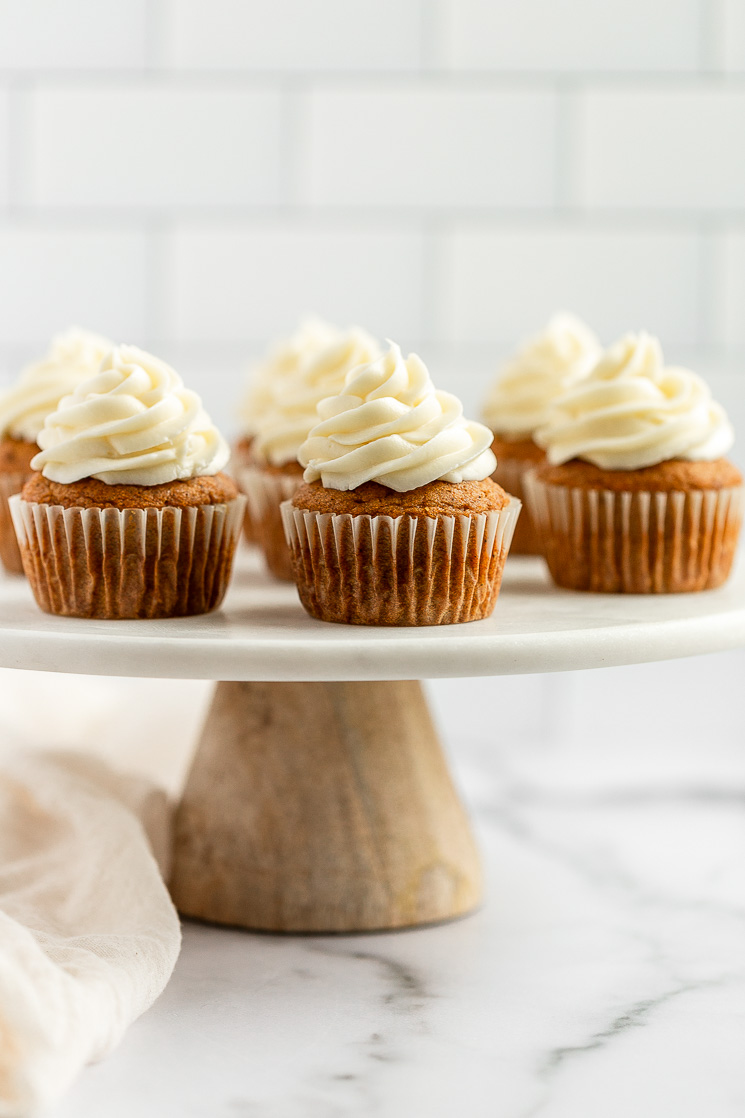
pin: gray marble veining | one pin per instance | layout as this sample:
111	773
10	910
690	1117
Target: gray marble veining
604	976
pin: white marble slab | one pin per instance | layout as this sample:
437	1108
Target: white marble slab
263	633
604	976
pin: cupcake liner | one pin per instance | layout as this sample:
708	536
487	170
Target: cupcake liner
127	563
404	570
510	474
265	492
240	461
637	542
10	555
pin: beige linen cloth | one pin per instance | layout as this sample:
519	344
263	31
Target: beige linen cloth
88	934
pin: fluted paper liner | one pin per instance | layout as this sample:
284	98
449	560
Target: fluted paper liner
265	492
637	542
10	484
128	563
404	570
510	474
240	460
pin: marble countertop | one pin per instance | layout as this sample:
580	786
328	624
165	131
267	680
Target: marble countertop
604	975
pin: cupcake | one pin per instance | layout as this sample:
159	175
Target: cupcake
636	495
274	473
519	402
129	514
398	521
72	358
282	360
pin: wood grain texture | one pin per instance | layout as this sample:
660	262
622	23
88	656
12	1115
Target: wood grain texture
322	807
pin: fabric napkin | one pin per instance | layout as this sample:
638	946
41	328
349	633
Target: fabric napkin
88	934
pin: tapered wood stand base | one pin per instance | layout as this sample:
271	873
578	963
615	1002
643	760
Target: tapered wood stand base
322	807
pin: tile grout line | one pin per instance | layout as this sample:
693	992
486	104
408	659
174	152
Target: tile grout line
155	36
567	155
20	159
293	141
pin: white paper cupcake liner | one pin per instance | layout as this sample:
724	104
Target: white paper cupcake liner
510	474
383	570
128	563
10	484
637	542
265	492
240	460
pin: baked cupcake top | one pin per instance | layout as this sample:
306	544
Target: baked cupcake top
634	411
391	425
72	358
542	369
322	358
132	423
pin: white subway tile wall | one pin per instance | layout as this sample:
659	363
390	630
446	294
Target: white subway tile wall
431	147
292	35
4	144
152	146
197	174
194	175
573	37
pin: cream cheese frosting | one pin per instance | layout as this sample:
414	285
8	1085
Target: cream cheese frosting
540	371
72	358
132	423
391	425
283	360
318	371
634	411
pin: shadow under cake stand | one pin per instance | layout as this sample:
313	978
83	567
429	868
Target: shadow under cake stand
319	799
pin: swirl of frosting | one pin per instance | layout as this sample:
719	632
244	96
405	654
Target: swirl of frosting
634	411
541	370
72	358
319	371
283	360
391	425
132	423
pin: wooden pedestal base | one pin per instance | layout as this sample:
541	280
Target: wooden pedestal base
322	807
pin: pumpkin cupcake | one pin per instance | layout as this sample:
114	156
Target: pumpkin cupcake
636	495
72	357
283	359
519	402
273	472
129	514
398	521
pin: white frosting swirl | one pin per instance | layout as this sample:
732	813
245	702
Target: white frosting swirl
392	426
634	411
72	358
318	373
133	423
541	370
283	360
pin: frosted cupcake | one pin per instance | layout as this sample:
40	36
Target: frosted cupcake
72	358
129	514
398	521
636	495
274	472
519	403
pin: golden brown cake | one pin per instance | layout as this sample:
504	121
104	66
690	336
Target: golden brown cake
281	409
15	468
119	529
519	403
397	525
266	487
514	458
636	496
383	558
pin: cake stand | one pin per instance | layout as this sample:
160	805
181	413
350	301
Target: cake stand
319	799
